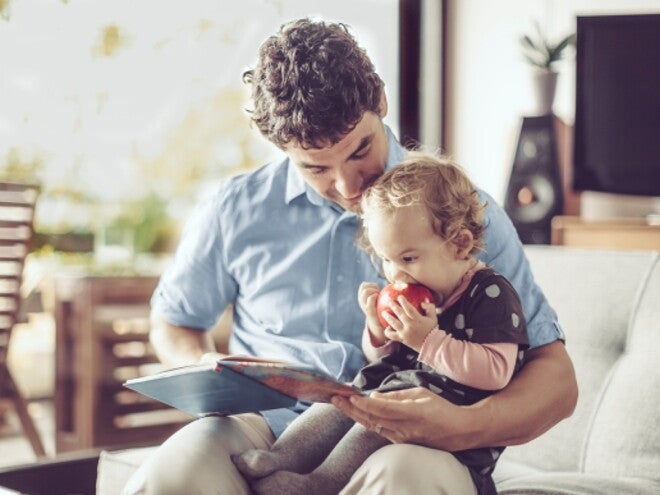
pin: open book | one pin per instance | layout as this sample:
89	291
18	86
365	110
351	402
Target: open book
239	384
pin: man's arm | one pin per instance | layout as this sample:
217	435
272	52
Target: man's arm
176	345
543	393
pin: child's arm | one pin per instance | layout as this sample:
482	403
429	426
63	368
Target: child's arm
483	366
374	350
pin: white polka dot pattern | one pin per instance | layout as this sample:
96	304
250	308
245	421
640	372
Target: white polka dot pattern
460	321
434	389
515	320
493	291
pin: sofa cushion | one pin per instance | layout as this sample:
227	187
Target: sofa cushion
625	432
116	467
506	470
594	293
563	483
607	303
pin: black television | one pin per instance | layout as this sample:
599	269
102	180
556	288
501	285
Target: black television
617	105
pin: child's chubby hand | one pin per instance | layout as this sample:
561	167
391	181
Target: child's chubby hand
410	326
367	297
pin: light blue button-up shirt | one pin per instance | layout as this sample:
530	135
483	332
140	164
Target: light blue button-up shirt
287	259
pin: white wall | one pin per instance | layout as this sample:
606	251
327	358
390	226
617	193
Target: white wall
488	80
105	102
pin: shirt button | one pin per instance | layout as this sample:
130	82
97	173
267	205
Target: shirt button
340	278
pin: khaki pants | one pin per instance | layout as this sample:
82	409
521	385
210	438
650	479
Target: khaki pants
196	460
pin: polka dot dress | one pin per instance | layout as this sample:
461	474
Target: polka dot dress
488	311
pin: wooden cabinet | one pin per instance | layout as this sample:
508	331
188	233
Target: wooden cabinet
101	340
608	234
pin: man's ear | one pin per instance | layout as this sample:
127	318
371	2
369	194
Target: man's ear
464	243
382	106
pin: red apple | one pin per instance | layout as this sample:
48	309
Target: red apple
415	294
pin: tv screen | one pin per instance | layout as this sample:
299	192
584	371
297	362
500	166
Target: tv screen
617	105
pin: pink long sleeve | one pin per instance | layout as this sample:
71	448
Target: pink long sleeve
483	366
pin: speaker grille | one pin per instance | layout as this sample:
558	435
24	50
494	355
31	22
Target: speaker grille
534	192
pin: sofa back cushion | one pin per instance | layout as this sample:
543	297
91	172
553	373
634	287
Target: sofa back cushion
627	416
594	293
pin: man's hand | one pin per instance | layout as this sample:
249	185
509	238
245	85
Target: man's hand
415	415
178	346
211	357
543	393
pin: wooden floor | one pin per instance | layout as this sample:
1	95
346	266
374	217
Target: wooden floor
14	447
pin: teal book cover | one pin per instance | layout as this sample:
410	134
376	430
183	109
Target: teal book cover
239	385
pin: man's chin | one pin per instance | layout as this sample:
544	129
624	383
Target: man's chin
346	204
353	206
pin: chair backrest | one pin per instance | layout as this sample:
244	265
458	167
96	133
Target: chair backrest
17	204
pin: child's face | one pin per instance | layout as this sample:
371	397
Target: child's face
412	252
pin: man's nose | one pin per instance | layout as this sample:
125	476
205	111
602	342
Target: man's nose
348	183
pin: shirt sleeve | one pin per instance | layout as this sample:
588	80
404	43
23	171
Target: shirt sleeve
504	252
482	366
196	288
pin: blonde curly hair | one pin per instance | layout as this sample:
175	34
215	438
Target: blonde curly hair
437	183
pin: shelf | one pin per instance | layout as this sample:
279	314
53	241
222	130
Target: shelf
620	233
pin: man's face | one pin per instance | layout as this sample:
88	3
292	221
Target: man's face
343	171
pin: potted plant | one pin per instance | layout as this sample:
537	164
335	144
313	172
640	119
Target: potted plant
542	55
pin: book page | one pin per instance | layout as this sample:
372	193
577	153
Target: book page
299	381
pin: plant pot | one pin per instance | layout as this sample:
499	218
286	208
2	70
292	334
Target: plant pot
544	85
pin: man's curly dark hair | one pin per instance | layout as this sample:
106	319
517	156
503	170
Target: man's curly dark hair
312	84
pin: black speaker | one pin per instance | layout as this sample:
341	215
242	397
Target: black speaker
534	193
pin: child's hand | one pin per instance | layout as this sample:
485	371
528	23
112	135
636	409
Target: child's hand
367	296
410	326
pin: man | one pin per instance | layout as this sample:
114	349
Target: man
279	244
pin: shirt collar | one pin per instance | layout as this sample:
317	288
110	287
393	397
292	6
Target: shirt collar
296	185
396	153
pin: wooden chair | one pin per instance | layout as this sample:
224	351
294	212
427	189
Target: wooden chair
17	203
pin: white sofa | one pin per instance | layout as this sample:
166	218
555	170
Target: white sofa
608	303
